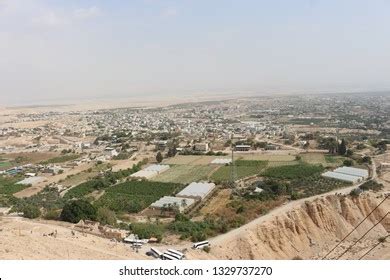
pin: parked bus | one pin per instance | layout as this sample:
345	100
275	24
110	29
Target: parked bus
201	245
173	252
166	256
156	253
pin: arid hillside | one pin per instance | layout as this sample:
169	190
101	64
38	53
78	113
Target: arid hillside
302	229
310	231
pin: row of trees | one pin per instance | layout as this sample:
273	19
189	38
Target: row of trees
77	210
334	146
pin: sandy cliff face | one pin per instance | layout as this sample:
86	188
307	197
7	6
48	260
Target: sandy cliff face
310	231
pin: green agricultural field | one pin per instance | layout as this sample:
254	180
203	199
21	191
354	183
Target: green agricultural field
192	159
313	158
61	159
8	185
315	184
282	163
244	168
180	159
78	178
334	160
5	164
298	171
134	196
266	157
84	175
99	183
85	188
185	174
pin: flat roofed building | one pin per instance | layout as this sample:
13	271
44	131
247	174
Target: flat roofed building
201	147
242	148
170	201
352	171
342	177
161	145
197	190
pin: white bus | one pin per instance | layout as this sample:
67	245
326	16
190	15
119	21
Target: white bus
156	253
173	252
166	256
201	245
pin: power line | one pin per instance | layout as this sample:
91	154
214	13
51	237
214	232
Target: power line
376	245
342	240
363	236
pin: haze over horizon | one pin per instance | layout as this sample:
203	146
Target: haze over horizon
60	51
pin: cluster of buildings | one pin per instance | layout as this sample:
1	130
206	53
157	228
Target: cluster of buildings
206	125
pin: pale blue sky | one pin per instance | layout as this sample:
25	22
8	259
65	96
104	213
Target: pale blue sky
57	51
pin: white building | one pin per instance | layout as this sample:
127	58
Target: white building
201	147
242	148
342	177
353	171
110	152
197	190
171	201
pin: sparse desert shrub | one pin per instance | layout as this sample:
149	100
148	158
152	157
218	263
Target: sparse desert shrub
52	215
371	185
207	249
355	192
348	162
106	217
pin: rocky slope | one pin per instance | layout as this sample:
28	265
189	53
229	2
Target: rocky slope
311	230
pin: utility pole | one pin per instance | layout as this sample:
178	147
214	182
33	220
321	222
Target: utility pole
233	170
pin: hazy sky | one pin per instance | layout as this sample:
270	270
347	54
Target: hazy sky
56	51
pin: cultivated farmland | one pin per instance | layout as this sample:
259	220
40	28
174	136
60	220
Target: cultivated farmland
266	157
334	160
133	196
192	160
313	185
9	186
298	171
4	164
244	169
186	173
324	159
61	159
